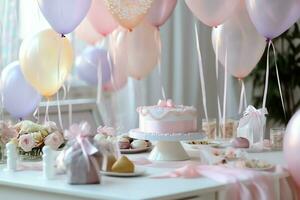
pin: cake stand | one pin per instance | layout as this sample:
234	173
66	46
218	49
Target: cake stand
168	146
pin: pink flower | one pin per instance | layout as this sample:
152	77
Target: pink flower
26	142
166	103
7	133
54	140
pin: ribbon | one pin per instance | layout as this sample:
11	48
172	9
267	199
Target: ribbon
225	95
107	131
158	41
243	97
46	119
79	134
270	44
254	118
201	74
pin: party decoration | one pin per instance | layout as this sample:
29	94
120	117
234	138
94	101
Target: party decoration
101	19
141	50
160	11
117	52
88	64
272	17
46	59
212	12
86	32
64	16
129	13
19	97
291	146
239	38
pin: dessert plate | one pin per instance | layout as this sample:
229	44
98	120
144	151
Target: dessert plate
269	168
132	151
137	172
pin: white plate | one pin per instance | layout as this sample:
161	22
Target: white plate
138	172
132	151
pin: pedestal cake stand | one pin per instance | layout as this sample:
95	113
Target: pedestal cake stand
168	147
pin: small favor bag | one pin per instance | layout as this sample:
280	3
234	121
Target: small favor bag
252	125
82	159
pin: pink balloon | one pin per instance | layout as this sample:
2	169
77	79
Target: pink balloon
212	12
87	33
101	19
118	56
160	11
291	147
272	17
244	45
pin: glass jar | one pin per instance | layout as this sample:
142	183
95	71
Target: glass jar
229	129
210	128
276	138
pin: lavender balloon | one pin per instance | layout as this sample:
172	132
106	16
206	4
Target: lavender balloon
272	17
64	15
19	97
87	66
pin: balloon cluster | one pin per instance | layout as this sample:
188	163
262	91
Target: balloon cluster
46	58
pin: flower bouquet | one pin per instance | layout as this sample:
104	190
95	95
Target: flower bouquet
7	132
32	137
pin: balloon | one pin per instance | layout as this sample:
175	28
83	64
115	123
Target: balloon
19	97
272	17
141	51
87	33
46	60
129	13
64	16
117	48
160	11
99	17
291	147
88	63
212	12
242	42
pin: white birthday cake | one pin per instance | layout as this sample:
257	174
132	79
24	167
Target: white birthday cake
166	117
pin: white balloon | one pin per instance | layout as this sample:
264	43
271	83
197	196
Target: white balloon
244	45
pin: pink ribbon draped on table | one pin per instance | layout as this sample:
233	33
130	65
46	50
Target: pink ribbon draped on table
242	183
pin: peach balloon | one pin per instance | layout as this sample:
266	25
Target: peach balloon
117	49
101	19
129	13
46	60
212	12
86	32
142	50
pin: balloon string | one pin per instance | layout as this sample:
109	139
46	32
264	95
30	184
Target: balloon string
99	78
225	95
267	75
47	111
217	78
242	96
69	82
158	41
278	79
36	114
59	111
203	90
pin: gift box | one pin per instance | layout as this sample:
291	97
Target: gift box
82	159
252	125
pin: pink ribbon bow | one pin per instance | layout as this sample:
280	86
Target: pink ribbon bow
105	130
166	103
80	134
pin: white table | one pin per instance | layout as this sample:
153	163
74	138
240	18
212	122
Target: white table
30	185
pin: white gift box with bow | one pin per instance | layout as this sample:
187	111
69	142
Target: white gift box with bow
252	124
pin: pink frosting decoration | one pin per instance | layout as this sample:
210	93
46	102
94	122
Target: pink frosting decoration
168	127
166	103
